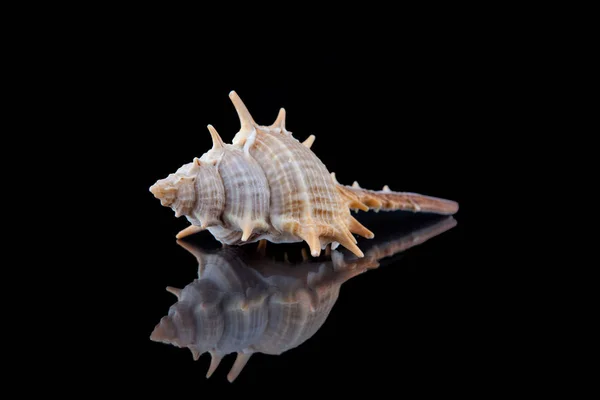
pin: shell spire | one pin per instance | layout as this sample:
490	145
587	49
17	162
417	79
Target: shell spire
215	360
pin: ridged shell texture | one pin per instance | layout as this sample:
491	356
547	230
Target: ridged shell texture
268	185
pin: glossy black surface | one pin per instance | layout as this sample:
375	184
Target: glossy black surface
252	299
411	319
414	323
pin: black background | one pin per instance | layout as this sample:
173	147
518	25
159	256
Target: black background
410	116
406	122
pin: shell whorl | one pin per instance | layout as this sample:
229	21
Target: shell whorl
246	190
305	202
210	196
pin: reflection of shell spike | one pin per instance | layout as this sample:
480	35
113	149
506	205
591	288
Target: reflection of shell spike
175	291
215	360
238	365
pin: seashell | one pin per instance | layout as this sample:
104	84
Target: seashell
268	185
244	303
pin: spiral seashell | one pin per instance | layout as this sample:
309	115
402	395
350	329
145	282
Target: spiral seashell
268	185
244	303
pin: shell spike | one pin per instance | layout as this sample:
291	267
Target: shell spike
351	198
358	228
215	360
175	291
280	120
304	254
195	251
262	247
217	141
313	242
195	353
190	230
348	241
386	189
165	331
356	185
238	365
359	206
334	178
196	164
246	121
309	141
247	231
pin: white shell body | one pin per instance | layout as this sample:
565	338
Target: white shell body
268	185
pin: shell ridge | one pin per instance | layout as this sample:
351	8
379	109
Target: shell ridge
246	192
331	221
332	197
216	205
247	146
280	195
306	211
231	190
320	181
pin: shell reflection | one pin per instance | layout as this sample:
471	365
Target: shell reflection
245	303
